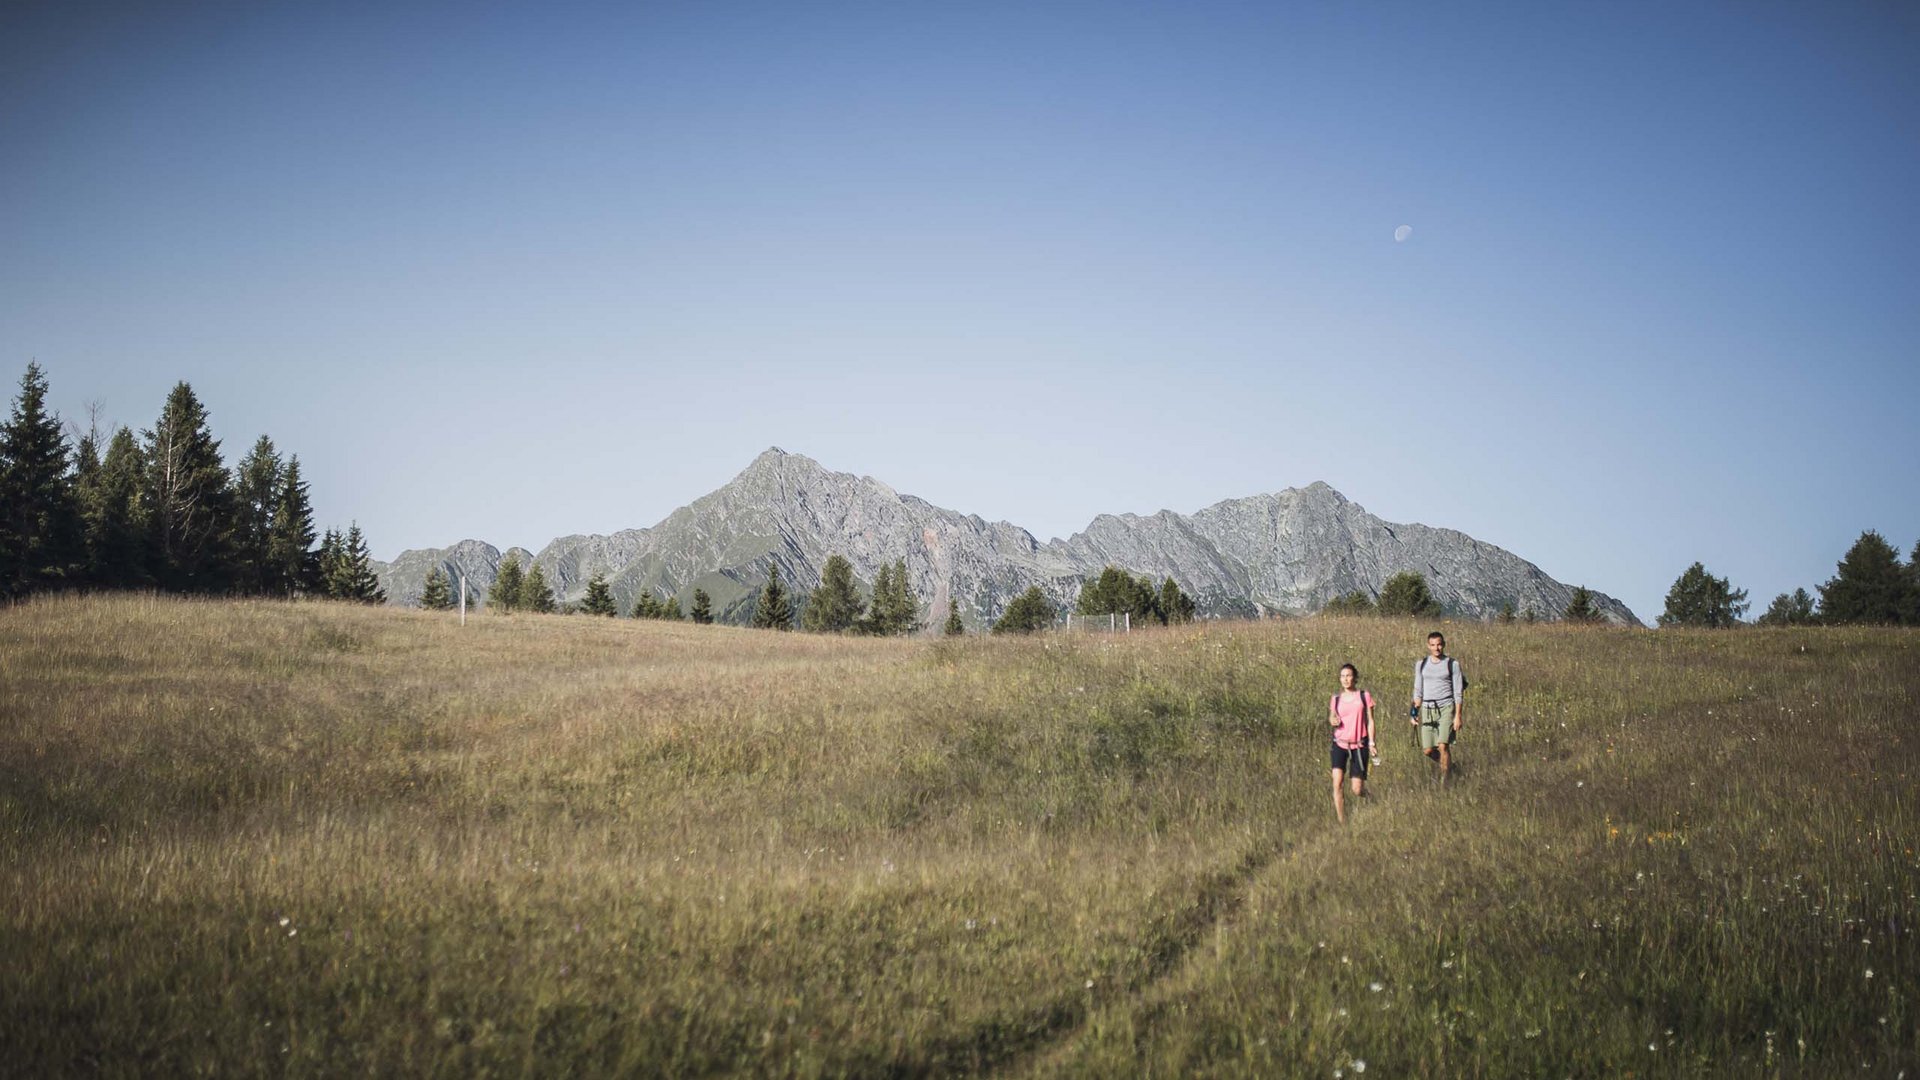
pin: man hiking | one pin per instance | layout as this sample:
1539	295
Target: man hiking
1438	684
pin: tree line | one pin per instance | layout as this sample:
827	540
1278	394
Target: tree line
161	510
1870	586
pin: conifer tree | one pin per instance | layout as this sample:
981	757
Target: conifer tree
875	620
773	610
1697	598
1910	603
599	598
504	595
189	498
1580	607
1116	592
702	612
256	491
535	594
670	608
1529	616
1506	615
350	573
835	606
1176	607
291	565
1406	593
41	544
954	627
437	593
1868	585
903	607
1790	609
327	564
1356	602
646	606
1030	611
114	516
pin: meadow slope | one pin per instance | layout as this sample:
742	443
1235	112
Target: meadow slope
315	839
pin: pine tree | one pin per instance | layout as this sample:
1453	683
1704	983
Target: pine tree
646	606
599	598
1406	593
1790	609
773	610
1116	592
834	607
670	609
256	491
291	565
702	607
114	517
437	593
504	595
41	543
1030	611
1356	602
1697	598
1506	615
1175	606
1910	603
1580	608
875	621
903	607
189	498
535	594
1868	586
954	627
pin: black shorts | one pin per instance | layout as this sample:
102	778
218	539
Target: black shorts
1352	762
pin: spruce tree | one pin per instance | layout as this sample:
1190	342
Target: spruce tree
1176	607
1910	603
875	621
327	570
1580	607
437	593
535	594
954	627
1116	592
291	565
115	518
599	598
903	607
1030	611
702	612
1697	598
1529	616
256	491
1868	586
189	498
350	573
504	595
834	607
1790	609
1356	602
670	608
1506	615
1406	593
41	543
773	610
646	606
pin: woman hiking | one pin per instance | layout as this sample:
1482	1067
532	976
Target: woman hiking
1350	714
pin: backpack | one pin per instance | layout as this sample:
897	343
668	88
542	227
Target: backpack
1452	670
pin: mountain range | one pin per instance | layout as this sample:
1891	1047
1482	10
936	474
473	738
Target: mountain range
1285	553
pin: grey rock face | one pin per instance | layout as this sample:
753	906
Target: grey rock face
1284	553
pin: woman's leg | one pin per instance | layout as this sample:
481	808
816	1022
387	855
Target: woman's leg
1339	805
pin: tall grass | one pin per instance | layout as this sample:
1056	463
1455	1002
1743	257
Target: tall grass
312	839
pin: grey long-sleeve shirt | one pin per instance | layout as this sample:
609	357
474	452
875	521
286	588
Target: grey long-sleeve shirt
1436	682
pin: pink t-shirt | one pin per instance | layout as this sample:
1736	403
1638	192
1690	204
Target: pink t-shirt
1352	711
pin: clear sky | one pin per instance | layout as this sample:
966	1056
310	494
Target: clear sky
516	271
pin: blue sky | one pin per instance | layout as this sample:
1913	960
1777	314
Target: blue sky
512	272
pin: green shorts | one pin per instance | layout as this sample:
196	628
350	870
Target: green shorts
1436	725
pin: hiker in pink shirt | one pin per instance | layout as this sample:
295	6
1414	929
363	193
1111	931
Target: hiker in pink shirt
1350	714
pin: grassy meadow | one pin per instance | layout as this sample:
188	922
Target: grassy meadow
312	839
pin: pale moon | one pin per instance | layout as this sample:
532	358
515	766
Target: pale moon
1400	234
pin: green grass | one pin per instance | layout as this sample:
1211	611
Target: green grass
315	839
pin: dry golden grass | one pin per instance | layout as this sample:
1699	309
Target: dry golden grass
320	839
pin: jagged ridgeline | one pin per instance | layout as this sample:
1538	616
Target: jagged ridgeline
1289	552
